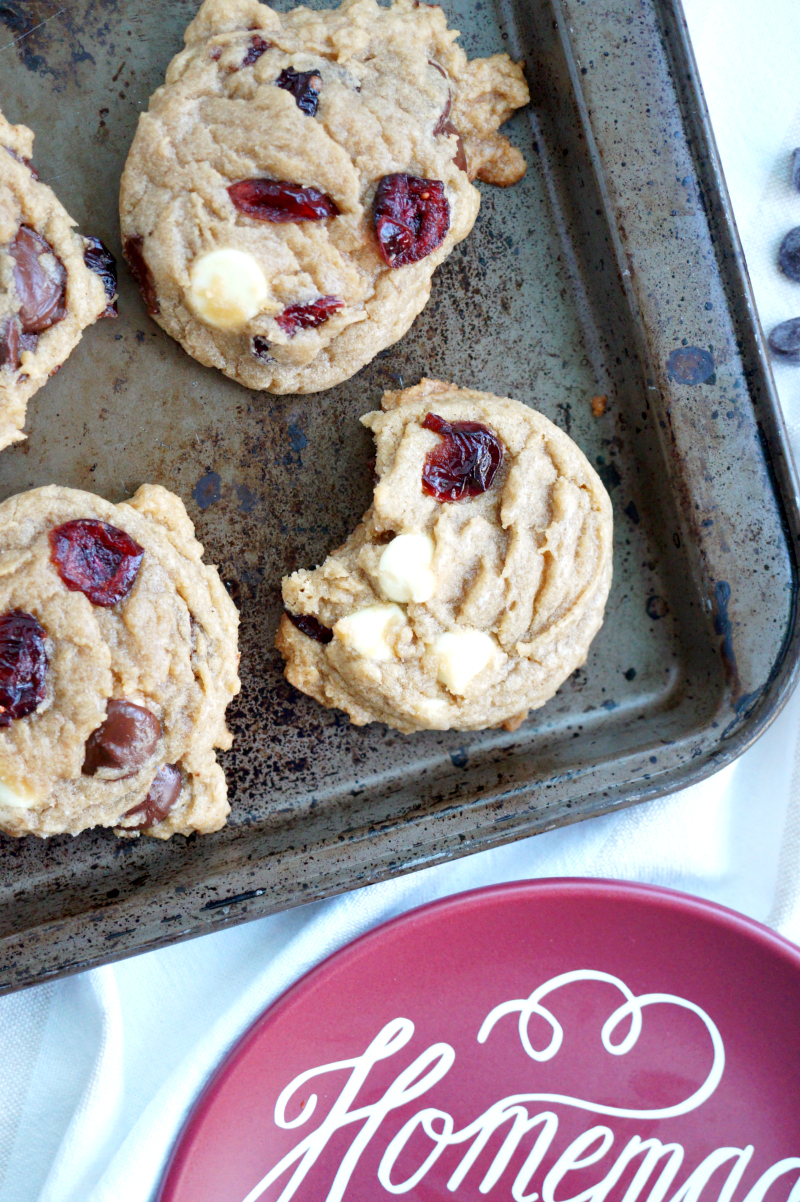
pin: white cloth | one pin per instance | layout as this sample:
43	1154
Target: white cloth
99	1070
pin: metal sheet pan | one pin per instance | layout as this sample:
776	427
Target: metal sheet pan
614	269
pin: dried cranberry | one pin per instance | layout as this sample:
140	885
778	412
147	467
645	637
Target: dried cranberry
260	349
412	217
310	626
256	48
124	741
9	343
446	127
308	317
99	259
95	559
23	665
161	797
277	201
304	86
465	462
25	162
141	272
41	292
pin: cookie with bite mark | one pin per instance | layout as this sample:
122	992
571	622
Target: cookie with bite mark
53	282
475	582
299	176
118	658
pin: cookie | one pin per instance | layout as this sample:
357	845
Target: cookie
476	580
53	282
299	176
117	660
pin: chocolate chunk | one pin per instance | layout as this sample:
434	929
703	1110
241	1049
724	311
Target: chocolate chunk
9	343
310	626
99	259
41	288
162	795
141	272
260	349
124	741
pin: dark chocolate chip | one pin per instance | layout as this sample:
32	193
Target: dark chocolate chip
789	255
260	349
99	259
161	797
784	341
41	289
124	741
310	626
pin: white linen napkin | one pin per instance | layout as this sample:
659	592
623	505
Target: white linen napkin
99	1070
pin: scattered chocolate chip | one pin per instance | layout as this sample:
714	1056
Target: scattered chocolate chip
141	273
304	86
23	665
124	741
99	259
789	255
412	217
308	317
465	462
96	559
279	202
41	288
260	349
784	341
9	343
310	626
256	48
161	797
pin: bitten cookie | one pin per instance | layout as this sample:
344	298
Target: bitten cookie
476	580
299	177
53	282
117	660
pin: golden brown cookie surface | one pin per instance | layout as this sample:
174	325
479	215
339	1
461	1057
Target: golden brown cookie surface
475	582
118	657
299	177
48	293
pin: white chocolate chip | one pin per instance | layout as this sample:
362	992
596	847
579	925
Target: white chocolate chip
462	655
16	797
404	571
364	632
227	287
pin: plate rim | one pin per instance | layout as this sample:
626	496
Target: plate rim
660	897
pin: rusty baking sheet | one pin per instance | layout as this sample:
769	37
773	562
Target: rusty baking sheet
612	270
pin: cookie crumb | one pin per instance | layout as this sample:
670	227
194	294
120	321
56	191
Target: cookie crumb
599	404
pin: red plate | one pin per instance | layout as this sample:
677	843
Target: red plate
542	1040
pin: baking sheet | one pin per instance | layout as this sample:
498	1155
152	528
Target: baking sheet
611	269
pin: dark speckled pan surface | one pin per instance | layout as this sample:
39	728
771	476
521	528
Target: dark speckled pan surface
611	269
